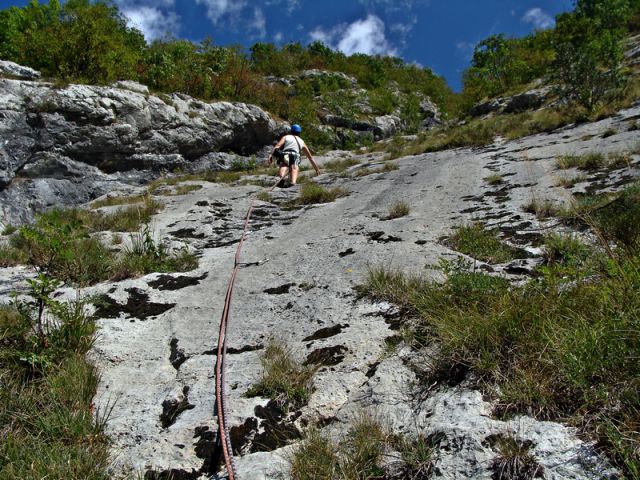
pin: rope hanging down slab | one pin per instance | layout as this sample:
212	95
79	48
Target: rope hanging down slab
221	405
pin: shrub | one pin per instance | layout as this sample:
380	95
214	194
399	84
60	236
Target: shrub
146	256
46	393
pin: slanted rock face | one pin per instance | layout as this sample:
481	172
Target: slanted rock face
517	103
14	70
114	129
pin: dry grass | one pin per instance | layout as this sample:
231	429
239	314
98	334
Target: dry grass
398	209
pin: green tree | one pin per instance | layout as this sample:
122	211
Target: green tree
588	50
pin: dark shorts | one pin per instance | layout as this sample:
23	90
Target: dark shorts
291	159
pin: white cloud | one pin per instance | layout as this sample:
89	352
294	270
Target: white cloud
259	23
538	18
465	50
362	36
278	37
395	5
151	21
291	5
216	9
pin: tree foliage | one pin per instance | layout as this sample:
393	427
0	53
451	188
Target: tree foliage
589	51
79	40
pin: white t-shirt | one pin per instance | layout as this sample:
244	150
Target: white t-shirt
291	144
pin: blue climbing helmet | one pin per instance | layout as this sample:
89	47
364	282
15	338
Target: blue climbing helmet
295	128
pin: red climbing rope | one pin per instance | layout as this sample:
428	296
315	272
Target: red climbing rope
223	432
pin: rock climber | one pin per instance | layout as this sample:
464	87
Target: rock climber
288	151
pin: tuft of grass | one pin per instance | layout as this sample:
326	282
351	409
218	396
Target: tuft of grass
398	209
179	190
568	182
264	196
59	244
124	220
485	245
588	161
315	459
494	179
481	132
339	166
609	132
284	379
357	456
417	455
311	193
146	255
514	460
619	160
542	209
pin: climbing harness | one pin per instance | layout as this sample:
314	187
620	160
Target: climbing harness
221	406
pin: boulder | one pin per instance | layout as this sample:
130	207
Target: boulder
55	133
493	105
387	125
528	100
133	86
14	70
341	77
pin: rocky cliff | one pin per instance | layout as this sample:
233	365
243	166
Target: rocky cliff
297	284
67	144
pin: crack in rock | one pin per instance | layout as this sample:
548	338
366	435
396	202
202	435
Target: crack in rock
281	290
177	356
171	409
326	332
137	306
168	282
327	356
186	233
381	238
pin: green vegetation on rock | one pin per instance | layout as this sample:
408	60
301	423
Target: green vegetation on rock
563	346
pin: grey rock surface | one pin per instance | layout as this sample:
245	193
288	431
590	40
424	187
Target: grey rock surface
110	130
317	255
300	268
16	71
528	100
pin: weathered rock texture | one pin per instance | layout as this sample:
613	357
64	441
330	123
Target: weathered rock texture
157	337
67	145
297	285
528	100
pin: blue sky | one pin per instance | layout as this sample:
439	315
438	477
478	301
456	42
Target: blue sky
439	34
